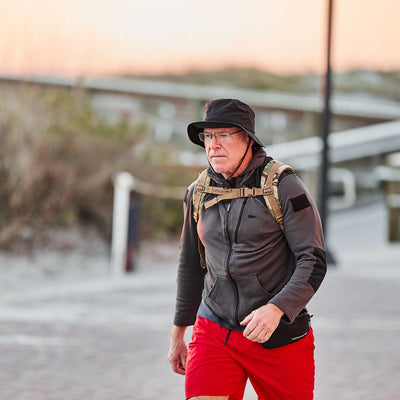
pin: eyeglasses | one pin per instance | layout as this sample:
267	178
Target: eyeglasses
221	136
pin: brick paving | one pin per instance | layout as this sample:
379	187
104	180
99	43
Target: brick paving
75	333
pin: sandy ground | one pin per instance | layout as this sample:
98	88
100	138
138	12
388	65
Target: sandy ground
71	331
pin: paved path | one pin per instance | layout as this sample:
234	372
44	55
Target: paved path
70	332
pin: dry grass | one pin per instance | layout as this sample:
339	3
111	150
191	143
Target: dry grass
57	159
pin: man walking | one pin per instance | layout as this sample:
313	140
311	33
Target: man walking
260	270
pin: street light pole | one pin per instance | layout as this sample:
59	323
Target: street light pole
326	117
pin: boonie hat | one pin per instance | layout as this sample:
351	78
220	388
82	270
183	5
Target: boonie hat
225	113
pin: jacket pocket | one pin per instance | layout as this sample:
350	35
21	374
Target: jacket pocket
251	295
222	299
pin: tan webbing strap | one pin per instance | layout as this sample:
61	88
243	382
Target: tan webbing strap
202	254
203	181
233	193
269	182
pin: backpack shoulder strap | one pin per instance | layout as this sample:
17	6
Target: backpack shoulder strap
199	191
203	181
269	182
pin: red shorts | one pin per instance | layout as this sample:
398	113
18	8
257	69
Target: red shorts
217	369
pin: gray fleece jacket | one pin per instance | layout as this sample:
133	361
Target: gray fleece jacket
250	261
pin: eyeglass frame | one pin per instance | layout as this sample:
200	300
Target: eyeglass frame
217	135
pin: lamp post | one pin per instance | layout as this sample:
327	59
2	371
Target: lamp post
325	128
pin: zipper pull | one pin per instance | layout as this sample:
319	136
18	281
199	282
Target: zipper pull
228	207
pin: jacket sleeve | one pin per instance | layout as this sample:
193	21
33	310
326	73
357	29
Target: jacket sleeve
303	232
190	278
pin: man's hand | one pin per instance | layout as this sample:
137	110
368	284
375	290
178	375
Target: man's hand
178	350
262	322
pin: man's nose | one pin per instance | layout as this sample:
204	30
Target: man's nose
214	142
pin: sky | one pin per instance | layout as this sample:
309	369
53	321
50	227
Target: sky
102	37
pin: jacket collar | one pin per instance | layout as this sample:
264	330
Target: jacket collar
258	160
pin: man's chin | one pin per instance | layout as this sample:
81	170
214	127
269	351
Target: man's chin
218	169
221	171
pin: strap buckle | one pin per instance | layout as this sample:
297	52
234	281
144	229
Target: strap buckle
268	191
248	192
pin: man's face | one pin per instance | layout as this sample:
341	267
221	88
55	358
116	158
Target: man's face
225	155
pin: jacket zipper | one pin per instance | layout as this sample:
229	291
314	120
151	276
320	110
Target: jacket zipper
240	219
228	208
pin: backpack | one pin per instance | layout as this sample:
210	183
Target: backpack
269	190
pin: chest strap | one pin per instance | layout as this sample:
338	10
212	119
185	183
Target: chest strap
233	193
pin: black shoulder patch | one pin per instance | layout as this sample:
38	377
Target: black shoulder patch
300	202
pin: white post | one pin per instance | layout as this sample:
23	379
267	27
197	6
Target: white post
123	184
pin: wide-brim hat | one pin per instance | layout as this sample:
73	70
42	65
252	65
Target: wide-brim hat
225	113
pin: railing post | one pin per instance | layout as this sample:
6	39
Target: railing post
133	233
123	184
393	198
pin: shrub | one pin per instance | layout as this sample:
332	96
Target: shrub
57	160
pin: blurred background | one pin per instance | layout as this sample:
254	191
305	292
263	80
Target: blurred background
89	89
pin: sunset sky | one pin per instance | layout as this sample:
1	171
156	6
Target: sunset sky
87	37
